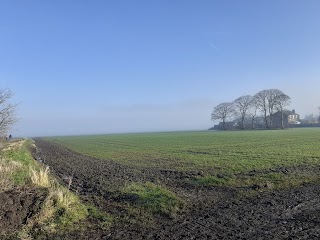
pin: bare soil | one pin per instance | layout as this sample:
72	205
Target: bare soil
210	213
18	206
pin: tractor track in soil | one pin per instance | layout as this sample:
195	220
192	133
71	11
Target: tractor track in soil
211	213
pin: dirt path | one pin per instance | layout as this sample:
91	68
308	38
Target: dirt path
214	213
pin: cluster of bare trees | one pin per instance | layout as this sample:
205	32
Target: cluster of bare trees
245	108
7	111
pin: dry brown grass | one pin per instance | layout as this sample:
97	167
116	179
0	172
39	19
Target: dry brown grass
13	145
41	177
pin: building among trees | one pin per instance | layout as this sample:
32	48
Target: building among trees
264	110
287	119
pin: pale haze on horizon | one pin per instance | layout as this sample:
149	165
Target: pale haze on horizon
95	67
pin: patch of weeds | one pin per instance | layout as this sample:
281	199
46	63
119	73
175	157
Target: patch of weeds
20	153
139	215
40	178
292	180
7	169
105	220
155	198
20	177
273	177
19	156
274	180
68	208
209	181
14	236
259	181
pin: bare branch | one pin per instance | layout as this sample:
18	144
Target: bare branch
267	101
242	106
261	100
223	111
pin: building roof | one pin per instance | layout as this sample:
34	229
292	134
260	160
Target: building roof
287	112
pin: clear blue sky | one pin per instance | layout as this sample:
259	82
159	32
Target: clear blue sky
81	67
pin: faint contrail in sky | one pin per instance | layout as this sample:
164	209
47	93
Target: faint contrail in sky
212	45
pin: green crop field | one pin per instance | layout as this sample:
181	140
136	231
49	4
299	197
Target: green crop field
234	151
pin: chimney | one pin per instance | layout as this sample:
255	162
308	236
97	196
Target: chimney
293	111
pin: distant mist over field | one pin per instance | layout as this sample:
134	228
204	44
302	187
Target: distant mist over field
191	115
104	118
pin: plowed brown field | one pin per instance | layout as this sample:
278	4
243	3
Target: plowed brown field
210	213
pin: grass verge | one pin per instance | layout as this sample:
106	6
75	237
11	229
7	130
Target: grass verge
61	210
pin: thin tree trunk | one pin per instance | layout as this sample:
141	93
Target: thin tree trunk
242	122
282	124
265	118
252	123
224	124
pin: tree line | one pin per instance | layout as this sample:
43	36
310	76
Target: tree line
245	109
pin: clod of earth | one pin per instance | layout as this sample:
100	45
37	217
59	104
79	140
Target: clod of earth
18	206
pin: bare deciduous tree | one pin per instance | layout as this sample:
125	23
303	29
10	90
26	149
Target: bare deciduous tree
282	101
261	101
242	106
266	101
7	111
223	111
273	98
253	112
